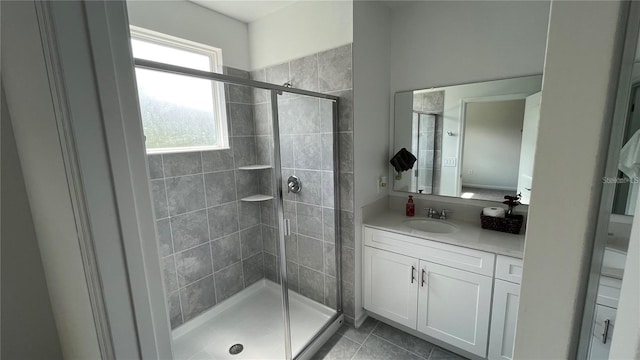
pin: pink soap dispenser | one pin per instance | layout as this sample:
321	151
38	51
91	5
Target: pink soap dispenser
411	207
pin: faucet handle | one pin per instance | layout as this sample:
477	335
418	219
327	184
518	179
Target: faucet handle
443	214
430	211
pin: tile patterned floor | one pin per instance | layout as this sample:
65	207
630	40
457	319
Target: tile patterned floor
376	340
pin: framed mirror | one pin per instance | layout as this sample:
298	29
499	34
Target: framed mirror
474	141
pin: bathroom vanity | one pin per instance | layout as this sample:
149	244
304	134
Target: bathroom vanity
454	284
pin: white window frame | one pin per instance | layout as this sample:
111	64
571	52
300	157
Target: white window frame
218	93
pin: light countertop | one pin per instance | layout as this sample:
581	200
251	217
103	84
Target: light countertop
468	235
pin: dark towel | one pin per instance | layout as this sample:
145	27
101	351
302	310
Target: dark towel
403	160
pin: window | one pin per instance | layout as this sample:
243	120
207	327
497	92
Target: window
179	112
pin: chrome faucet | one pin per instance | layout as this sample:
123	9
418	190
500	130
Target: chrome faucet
433	213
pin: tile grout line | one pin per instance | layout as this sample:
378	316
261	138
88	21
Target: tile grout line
407	350
364	341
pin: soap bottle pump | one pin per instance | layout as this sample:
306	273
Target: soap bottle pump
411	207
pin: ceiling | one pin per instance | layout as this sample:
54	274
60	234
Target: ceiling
245	10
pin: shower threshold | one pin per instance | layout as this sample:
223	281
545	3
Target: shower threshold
253	319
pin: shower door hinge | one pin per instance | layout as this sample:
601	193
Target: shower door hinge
287	227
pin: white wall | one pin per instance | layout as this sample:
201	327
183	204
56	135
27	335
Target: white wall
300	29
371	99
566	186
189	21
25	81
28	328
438	43
492	139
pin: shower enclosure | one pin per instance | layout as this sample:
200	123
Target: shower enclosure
265	283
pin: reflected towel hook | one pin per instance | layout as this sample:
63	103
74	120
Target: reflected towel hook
450	133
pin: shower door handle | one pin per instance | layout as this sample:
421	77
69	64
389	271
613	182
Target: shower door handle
287	227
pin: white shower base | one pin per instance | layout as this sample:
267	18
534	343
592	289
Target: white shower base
253	318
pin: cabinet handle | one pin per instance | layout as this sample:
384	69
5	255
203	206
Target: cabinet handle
413	272
423	277
605	334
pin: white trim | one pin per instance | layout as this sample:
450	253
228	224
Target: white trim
219	98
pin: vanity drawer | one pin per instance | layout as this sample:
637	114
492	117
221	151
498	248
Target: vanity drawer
509	269
458	257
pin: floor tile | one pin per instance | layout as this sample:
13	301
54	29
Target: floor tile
337	347
360	334
404	340
376	348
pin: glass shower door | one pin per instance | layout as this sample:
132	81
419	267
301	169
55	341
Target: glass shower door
307	167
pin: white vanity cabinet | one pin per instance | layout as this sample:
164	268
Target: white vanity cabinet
506	298
441	290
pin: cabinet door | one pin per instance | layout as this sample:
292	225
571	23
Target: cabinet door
504	314
602	332
454	306
391	285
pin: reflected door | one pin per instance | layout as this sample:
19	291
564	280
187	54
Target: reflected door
528	147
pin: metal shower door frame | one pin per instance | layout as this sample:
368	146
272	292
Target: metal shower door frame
276	90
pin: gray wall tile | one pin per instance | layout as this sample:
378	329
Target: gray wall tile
304	73
239	94
346	191
247	183
277	74
347	229
330	292
197	297
292	275
335	69
262	118
229	281
169	275
328	225
346	151
311	187
155	166
249	214
185	193
310	253
175	313
159	198
300	115
217	160
264	153
348	265
163	233
271	268
244	150
310	220
312	284
193	264
286	151
291	247
180	164
269	240
251	241
253	269
241	118
326	143
225	251
220	187
345	110
223	220
328	191
307	152
329	259
189	230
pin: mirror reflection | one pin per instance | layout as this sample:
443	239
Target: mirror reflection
475	141
628	170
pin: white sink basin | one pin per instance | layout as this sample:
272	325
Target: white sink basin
431	226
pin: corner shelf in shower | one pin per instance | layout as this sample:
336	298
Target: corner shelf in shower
254	198
255	167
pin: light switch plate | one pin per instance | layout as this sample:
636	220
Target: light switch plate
449	162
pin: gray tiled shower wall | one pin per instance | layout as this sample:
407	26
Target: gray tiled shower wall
210	242
306	151
213	245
